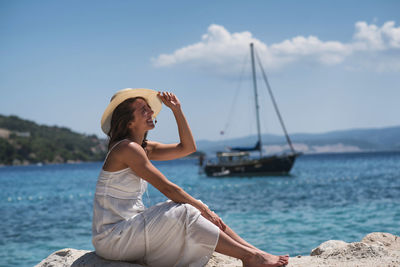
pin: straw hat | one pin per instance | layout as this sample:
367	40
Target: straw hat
149	95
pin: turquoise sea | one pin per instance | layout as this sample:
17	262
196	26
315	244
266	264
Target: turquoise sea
327	196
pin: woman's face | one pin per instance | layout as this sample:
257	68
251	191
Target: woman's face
142	116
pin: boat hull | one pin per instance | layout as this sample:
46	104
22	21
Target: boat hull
273	165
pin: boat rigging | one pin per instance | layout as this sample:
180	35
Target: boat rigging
238	162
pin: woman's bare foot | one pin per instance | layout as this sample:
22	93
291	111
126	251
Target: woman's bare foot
264	259
283	259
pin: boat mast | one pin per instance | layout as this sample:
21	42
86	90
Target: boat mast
256	97
275	106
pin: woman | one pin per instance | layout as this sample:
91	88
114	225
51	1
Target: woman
180	232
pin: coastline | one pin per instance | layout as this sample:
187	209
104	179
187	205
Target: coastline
375	249
195	157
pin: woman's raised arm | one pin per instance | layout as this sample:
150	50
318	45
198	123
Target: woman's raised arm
187	145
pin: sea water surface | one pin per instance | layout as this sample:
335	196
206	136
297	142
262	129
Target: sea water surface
327	196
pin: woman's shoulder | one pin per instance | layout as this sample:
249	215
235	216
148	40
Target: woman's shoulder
128	144
124	145
122	153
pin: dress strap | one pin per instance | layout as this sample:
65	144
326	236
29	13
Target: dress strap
109	151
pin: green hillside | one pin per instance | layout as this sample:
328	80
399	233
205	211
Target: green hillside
25	142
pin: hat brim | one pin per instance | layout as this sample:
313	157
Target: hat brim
148	94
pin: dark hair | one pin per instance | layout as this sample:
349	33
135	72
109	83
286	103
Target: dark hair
122	115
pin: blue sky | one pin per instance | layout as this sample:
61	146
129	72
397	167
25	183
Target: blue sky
332	64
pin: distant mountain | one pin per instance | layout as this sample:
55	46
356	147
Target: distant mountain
354	140
25	142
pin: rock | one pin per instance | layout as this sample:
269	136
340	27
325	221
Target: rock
339	249
372	245
218	259
390	241
79	258
375	249
83	258
328	247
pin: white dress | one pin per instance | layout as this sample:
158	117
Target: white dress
167	234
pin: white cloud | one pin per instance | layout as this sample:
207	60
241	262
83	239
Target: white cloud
225	51
368	37
324	52
392	33
371	37
217	47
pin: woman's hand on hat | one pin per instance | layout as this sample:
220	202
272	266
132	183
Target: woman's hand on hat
170	100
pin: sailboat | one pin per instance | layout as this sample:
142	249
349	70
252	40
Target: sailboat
237	161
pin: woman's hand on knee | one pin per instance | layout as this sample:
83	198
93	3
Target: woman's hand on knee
214	218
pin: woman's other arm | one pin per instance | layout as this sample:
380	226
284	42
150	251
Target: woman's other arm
135	157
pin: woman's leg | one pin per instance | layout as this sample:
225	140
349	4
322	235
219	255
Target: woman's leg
240	240
250	256
237	238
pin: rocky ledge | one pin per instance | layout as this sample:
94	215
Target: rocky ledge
375	249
